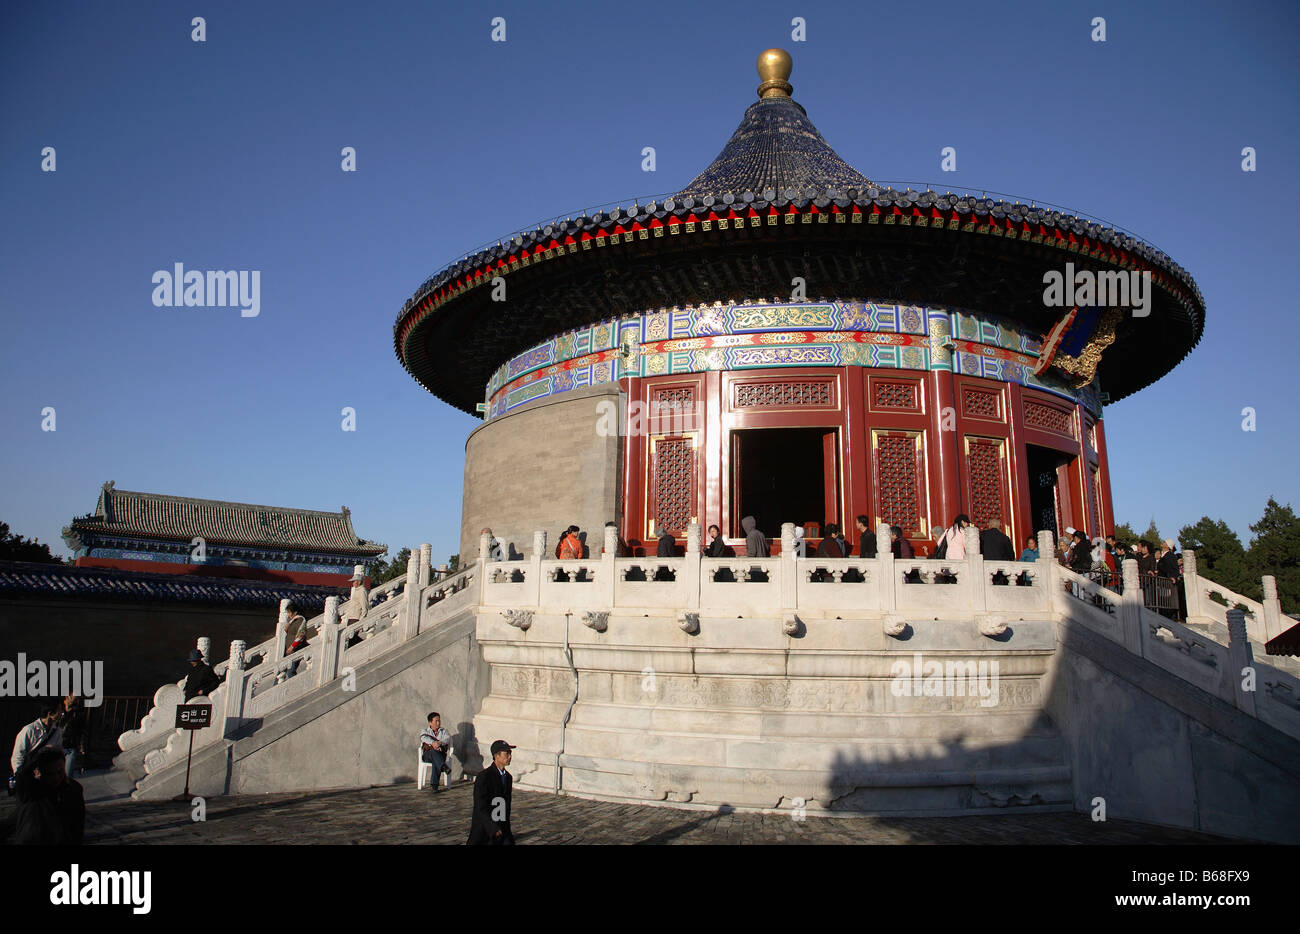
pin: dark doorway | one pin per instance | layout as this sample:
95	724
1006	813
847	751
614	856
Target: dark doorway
1047	469
784	475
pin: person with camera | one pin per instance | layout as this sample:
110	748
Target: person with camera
42	732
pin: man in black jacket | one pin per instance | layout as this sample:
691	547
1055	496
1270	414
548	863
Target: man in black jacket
201	680
867	538
51	807
994	543
490	823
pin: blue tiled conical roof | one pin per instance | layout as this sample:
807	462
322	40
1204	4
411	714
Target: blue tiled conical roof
776	147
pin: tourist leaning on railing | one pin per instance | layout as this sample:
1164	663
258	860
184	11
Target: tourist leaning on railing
1030	552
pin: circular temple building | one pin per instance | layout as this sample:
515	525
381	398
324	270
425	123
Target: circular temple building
785	338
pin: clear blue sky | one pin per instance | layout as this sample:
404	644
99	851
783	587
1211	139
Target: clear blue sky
225	155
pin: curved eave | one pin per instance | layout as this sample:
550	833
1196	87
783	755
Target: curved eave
883	244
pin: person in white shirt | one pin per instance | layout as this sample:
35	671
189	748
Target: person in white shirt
42	732
435	746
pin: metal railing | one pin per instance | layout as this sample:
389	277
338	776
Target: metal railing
1159	593
108	721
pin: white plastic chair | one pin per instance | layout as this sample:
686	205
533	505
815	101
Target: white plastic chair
420	770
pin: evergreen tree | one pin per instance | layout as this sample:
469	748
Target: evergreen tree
395	568
1275	549
17	548
1220	555
1152	534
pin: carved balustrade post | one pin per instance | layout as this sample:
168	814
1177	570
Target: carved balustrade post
204	645
975	562
426	564
1192	584
789	569
692	566
328	667
1272	622
411	593
231	715
1241	662
533	585
608	572
888	576
1047	567
281	624
1130	608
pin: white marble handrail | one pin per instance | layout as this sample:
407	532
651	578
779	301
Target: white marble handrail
251	693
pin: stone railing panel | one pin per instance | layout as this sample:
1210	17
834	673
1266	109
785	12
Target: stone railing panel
637	582
510	583
846	584
178	743
160	719
935	588
366	639
571	582
1087	601
1189	654
1016	587
1277	699
750	587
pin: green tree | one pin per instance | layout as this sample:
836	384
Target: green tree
382	573
1125	535
453	564
17	548
1152	534
1275	549
1220	555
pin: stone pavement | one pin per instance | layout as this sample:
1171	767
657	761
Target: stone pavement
400	814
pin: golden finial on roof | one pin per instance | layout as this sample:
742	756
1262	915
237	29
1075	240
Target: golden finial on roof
774	66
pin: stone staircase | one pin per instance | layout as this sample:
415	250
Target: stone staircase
841	686
262	685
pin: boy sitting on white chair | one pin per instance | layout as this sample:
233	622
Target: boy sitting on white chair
435	747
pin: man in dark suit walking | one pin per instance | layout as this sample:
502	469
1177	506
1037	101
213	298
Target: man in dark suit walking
490	823
994	543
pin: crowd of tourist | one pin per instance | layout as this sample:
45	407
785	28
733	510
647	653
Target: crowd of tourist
1100	559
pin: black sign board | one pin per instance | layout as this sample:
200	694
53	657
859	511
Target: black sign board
193	716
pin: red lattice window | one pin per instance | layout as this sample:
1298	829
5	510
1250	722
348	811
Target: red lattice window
900	461
1048	418
672	485
890	395
677	396
785	393
979	404
673	410
984	481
